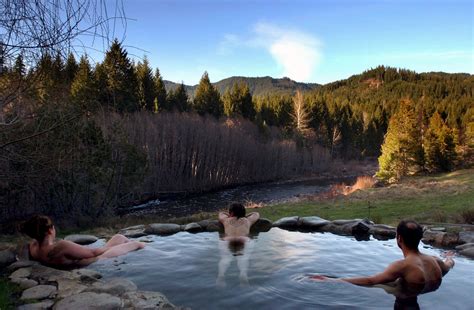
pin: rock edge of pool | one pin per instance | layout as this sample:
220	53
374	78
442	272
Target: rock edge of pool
44	287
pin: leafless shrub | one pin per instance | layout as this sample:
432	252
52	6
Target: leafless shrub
187	152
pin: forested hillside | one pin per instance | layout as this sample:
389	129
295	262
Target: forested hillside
84	140
257	85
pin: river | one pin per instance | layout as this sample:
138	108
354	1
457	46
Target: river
267	193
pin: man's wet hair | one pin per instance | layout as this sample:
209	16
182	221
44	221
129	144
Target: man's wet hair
237	209
411	233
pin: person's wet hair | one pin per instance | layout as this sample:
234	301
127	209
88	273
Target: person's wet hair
36	227
411	233
237	209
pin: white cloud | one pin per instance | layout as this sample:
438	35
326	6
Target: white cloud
297	53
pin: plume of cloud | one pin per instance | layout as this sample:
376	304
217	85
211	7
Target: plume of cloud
298	53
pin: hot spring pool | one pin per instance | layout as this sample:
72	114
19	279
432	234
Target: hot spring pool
185	267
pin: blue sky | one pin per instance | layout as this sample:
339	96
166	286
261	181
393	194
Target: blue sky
308	41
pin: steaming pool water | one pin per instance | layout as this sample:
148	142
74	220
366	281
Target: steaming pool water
201	272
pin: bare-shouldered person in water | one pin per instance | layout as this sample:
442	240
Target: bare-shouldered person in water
236	223
65	253
417	272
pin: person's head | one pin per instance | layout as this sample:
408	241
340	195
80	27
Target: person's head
237	210
38	227
409	233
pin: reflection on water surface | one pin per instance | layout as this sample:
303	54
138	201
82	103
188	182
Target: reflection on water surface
185	267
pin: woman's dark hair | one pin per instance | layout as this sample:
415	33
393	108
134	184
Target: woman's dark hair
411	233
237	209
36	227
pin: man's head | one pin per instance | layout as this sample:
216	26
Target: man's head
409	233
237	210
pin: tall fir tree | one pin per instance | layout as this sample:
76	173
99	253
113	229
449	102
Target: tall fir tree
178	99
207	99
145	89
70	68
160	101
238	101
84	92
120	79
19	69
439	146
402	151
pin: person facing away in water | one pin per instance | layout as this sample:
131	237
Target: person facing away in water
235	243
417	273
236	223
45	249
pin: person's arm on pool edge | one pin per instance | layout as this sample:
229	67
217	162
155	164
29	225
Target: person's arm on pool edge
223	216
253	217
391	273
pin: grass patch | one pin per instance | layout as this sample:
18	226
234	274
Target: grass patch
436	198
7	290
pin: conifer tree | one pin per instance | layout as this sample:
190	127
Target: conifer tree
402	151
146	92
160	101
439	145
70	68
120	79
238	101
207	99
84	89
178	99
19	68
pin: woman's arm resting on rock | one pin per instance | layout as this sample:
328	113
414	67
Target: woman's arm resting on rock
253	217
76	251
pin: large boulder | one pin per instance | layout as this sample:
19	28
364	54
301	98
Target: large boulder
21	264
262	225
291	222
465	246
45	304
68	287
361	227
192	228
162	229
24	283
21	273
381	231
466	237
39	292
89	300
45	275
7	257
469	252
214	225
116	286
430	236
133	231
81	239
312	222
86	275
146	300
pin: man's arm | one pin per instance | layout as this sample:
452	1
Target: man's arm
392	273
445	265
253	217
223	216
75	251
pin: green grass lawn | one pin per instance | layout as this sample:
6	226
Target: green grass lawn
435	198
6	291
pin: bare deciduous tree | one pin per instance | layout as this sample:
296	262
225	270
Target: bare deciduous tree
300	115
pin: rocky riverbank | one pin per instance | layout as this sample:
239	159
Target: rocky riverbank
47	288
